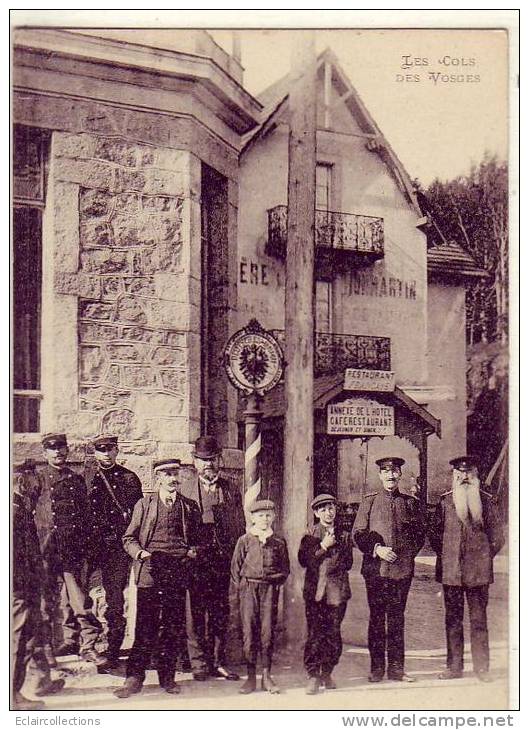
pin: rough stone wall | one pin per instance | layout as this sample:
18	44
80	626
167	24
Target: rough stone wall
123	245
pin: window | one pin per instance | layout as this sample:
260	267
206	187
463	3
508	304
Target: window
323	187
29	146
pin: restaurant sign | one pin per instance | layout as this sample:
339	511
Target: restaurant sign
360	417
377	380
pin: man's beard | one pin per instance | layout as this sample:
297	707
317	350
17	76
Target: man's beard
467	501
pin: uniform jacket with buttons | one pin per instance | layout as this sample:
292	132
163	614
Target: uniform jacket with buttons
62	517
396	520
465	552
27	560
140	531
326	570
110	522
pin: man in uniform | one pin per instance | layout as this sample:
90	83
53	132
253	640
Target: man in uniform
389	529
162	540
113	492
222	524
466	534
64	529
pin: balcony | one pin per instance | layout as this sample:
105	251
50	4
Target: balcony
344	241
333	353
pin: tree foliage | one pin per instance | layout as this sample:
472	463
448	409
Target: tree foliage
473	211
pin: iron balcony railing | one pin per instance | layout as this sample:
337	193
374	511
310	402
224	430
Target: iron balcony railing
347	232
336	352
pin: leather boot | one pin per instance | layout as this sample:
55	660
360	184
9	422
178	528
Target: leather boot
312	686
49	687
22	703
327	681
249	685
268	684
132	686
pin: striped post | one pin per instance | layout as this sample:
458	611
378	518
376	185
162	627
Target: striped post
252	455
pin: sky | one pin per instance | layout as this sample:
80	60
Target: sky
438	126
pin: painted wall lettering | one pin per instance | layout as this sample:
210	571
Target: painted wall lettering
252	272
371	285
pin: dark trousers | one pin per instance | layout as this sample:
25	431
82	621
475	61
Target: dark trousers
209	620
477	599
115	572
258	611
81	625
387	603
26	642
160	620
324	640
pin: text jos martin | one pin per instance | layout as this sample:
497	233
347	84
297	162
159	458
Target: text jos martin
437	71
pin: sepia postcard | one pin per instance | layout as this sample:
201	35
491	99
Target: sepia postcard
264	293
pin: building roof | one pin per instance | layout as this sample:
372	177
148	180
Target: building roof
450	260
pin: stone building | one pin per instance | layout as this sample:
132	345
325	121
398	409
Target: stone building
150	193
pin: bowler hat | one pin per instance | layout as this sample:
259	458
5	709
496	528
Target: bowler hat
164	464
464	462
390	460
105	440
53	440
322	499
262	504
206	447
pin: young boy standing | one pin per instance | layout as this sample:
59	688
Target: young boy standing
327	554
259	566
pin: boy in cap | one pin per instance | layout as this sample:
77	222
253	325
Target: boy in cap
466	533
162	541
389	529
259	566
327	554
113	492
64	529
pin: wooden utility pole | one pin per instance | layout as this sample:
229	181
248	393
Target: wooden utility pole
299	320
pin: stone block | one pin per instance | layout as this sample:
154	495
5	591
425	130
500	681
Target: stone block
95	203
105	397
138	448
174	381
95	310
80	424
136	264
175	429
92	332
126	205
169	159
80	285
92	363
133	231
94	234
169	229
118	150
74	145
162	203
127	179
126	353
175	339
130	310
140	286
105	261
139	376
169	356
149	405
100	119
110	287
168	314
123	423
87	173
163	257
113	375
164	182
147	127
142	334
65	225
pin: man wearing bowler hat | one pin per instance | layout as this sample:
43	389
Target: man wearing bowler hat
223	523
64	529
327	554
162	540
389	529
113	492
466	533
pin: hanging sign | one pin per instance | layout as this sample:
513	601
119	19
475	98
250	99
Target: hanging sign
360	417
377	380
253	359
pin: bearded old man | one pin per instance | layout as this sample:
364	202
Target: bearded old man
466	534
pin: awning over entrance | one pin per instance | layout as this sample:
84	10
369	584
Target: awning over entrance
327	388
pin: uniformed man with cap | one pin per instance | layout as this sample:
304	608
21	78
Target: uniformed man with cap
64	529
113	492
223	522
466	533
260	565
389	530
327	554
162	540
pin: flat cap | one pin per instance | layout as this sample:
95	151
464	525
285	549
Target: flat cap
206	447
262	504
164	464
51	440
105	439
387	460
464	462
322	499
